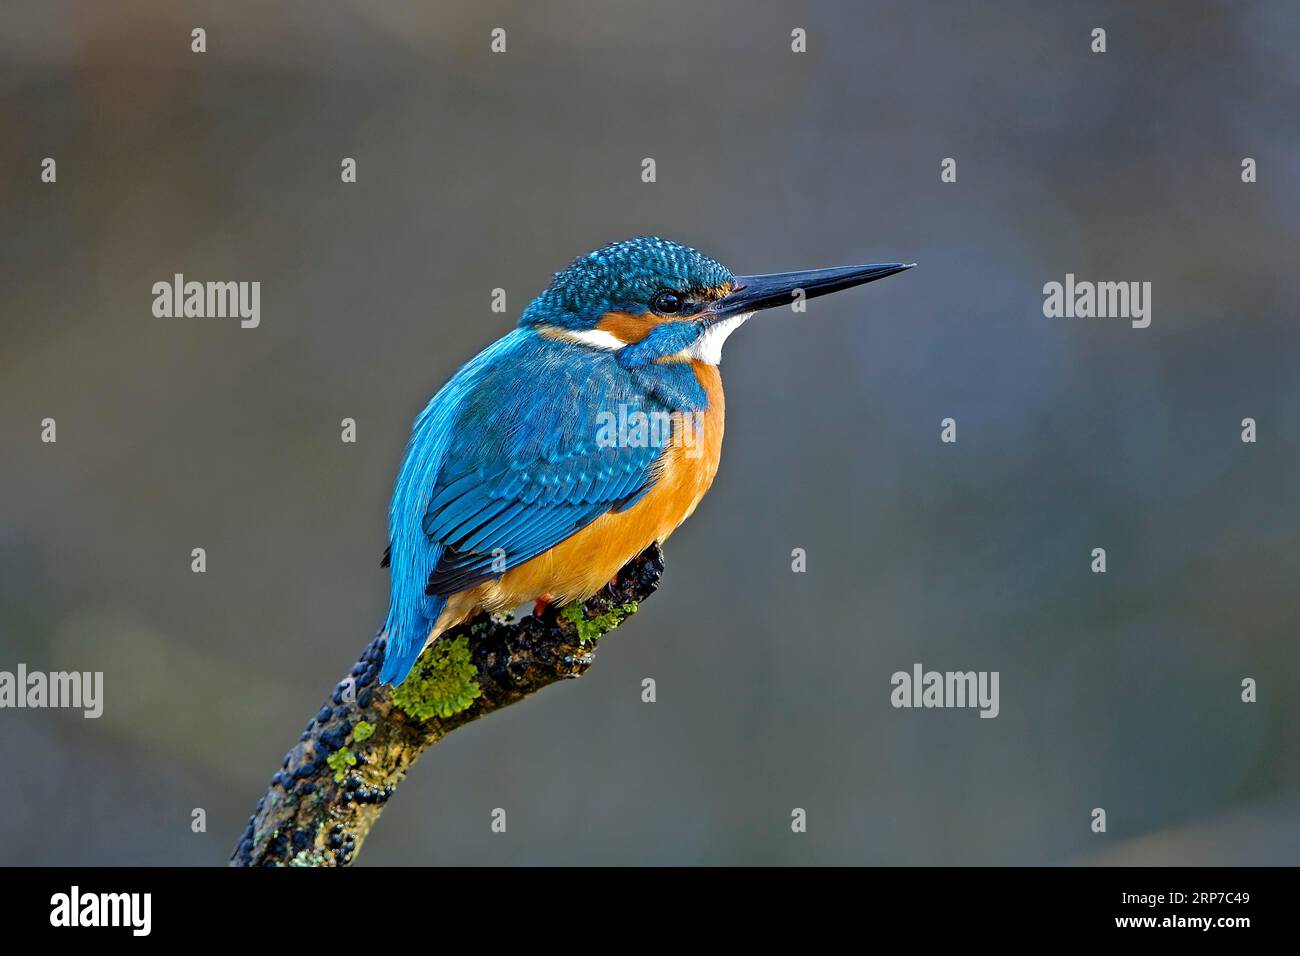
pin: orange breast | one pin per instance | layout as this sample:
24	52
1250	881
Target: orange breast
582	564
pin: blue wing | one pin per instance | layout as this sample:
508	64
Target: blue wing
541	475
508	460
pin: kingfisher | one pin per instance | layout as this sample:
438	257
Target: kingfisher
574	442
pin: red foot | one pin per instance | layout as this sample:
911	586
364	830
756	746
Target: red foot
541	604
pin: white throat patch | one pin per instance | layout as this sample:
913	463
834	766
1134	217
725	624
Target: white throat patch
708	347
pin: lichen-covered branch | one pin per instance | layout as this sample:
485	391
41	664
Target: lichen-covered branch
335	781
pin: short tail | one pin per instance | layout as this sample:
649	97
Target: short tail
399	657
407	635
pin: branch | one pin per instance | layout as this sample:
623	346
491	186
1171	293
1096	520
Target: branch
334	783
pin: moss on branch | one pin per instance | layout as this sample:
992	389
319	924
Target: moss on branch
333	785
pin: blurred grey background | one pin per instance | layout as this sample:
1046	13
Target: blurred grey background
479	170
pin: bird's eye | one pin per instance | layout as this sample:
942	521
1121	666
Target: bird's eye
666	303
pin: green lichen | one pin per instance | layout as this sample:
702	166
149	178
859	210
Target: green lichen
589	629
443	683
308	858
363	731
339	762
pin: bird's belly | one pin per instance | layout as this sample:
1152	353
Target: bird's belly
583	563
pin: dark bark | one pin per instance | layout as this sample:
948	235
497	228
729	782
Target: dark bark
321	804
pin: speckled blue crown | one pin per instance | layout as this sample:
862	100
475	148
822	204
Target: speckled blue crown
622	276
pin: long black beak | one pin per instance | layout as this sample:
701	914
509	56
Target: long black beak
751	293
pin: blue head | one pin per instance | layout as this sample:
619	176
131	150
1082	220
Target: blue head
653	299
625	277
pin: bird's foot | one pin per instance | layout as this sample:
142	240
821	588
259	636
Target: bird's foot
541	605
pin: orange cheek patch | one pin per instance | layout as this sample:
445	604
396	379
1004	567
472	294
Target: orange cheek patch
630	328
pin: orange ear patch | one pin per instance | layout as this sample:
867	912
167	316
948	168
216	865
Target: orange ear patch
630	328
